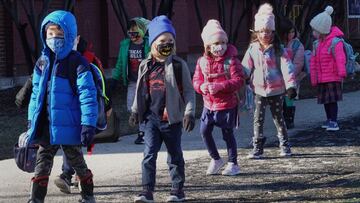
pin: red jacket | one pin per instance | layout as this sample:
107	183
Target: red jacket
225	98
91	58
324	67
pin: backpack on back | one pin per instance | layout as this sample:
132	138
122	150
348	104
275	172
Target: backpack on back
102	99
351	65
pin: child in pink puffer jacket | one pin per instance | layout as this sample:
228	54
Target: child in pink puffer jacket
327	69
218	88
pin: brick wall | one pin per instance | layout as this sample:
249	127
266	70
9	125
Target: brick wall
3	63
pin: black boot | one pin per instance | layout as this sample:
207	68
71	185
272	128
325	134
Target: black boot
87	188
288	112
258	149
285	150
292	116
38	189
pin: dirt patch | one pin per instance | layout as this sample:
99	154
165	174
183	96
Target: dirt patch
324	168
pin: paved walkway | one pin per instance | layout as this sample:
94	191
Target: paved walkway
120	163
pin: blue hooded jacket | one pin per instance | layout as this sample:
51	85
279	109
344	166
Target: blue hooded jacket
66	111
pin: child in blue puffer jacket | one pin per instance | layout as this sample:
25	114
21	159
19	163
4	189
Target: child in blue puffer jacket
58	117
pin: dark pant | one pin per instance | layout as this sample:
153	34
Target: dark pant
156	132
46	153
331	110
224	119
67	170
276	108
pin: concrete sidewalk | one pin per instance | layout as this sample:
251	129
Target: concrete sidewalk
120	163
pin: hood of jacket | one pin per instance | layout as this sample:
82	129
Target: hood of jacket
67	23
334	32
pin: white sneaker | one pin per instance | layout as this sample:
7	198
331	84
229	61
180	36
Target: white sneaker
231	170
215	166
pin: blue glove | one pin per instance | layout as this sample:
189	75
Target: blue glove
87	135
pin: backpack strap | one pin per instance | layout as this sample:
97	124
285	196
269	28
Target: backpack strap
227	63
177	67
334	41
315	46
73	62
96	70
203	63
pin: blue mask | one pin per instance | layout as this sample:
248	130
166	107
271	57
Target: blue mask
56	44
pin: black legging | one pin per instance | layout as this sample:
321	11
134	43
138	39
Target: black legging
331	110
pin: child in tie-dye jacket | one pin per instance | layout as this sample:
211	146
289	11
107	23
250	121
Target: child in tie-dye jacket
271	74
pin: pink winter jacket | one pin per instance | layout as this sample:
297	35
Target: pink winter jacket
324	67
268	77
225	98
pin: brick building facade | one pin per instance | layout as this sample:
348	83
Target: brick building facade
98	24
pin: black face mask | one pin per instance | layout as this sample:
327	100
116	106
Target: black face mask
165	49
133	35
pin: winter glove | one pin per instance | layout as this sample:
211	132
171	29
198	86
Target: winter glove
291	93
204	88
215	87
133	119
87	135
188	123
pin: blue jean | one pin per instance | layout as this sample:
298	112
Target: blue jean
67	170
224	119
156	132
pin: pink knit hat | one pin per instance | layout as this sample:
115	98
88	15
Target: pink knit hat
264	18
213	32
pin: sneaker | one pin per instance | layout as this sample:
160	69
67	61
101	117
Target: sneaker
333	126
215	166
285	151
144	197
176	196
325	125
140	138
231	170
63	183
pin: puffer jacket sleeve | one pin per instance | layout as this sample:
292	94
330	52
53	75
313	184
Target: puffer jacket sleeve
288	71
87	96
188	90
198	77
236	80
340	59
35	92
248	64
